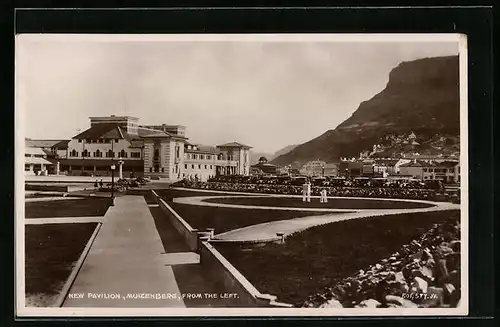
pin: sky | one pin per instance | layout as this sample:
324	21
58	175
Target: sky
266	94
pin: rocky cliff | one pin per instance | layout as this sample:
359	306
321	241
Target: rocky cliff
421	96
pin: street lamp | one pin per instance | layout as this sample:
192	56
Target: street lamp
113	167
323	170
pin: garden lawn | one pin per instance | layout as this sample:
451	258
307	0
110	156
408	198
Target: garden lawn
226	219
320	256
332	203
67	208
51	250
169	194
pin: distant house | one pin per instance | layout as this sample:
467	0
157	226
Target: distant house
265	168
319	168
350	168
446	171
385	167
35	162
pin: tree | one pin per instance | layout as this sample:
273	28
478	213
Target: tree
262	160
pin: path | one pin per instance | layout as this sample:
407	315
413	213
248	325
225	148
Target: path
63	220
127	258
267	231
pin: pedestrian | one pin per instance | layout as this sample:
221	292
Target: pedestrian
96	184
323	198
101	183
306	191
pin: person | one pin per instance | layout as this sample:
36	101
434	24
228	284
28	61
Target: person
96	184
323	198
101	183
306	191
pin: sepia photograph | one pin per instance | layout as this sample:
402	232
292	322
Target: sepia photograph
248	175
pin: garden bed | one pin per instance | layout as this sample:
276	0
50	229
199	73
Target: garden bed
67	208
51	250
226	219
331	204
324	255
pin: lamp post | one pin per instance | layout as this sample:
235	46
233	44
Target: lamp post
323	170
113	167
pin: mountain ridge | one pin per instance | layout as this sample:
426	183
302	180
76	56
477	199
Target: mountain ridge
420	96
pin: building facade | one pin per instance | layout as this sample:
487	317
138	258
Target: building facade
160	151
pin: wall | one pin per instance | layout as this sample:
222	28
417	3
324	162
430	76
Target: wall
189	234
122	144
416	172
225	276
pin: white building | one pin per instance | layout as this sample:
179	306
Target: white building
151	150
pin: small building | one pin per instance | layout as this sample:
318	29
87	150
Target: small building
320	168
35	162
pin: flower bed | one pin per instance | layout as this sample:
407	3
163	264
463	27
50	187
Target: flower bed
374	192
424	273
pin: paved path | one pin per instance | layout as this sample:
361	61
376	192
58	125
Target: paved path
127	258
267	231
53	198
63	220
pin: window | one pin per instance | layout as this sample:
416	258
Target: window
26	167
205	166
210	166
150	169
98	153
425	170
79	141
85	153
27	155
202	157
194	156
135	154
123	154
185	166
117	140
73	153
162	170
199	166
192	166
110	154
177	151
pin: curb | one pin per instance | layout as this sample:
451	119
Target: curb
69	282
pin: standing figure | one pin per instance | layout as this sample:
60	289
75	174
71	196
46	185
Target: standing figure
306	191
323	198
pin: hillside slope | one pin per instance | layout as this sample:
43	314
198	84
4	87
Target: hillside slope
421	96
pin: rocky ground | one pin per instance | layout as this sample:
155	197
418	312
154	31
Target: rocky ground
424	273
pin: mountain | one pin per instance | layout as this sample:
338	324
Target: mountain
284	150
254	156
421	96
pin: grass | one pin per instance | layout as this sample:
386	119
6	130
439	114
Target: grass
226	219
51	250
319	257
332	203
169	194
67	208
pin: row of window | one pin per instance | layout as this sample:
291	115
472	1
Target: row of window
199	166
99	141
109	154
34	155
438	170
208	156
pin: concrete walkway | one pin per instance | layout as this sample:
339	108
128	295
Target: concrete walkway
54	198
63	220
127	266
267	231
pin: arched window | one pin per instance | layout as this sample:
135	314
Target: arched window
98	153
85	153
74	153
110	154
123	154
